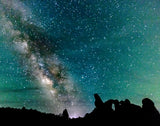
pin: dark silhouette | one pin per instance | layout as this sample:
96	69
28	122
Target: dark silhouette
111	112
124	112
65	114
98	102
149	111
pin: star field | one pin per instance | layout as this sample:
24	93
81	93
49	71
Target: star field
57	54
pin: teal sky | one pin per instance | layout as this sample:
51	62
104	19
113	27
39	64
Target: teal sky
57	54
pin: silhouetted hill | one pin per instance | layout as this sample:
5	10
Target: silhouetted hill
12	114
111	112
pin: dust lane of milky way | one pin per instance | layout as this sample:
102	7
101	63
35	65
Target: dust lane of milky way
57	54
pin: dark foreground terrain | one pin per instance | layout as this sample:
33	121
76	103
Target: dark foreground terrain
111	112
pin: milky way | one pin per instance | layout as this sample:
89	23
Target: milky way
37	57
56	54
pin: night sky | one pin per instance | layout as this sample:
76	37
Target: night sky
55	54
